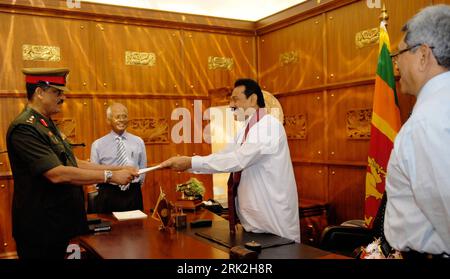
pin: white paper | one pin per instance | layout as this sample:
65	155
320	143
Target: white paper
129	215
141	171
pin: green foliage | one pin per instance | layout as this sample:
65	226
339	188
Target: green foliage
192	187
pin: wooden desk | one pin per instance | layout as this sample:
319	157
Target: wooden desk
141	239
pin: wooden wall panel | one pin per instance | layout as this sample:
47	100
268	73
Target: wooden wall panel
10	108
345	60
199	78
312	181
111	41
69	35
305	39
7	243
75	122
341	103
441	1
346	190
310	106
400	11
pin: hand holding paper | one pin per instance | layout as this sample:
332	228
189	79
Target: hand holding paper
141	171
178	163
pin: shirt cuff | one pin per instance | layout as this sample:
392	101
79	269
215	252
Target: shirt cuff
196	162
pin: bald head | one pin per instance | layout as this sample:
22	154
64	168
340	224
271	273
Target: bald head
117	117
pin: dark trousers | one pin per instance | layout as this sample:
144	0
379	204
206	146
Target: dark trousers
110	198
31	248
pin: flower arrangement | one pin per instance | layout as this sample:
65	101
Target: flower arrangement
373	251
193	189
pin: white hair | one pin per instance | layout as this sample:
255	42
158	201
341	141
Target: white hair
109	109
431	26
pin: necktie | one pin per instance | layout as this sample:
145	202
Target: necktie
122	158
121	152
235	177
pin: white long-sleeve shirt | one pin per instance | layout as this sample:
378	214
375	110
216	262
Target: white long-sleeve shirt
267	200
418	176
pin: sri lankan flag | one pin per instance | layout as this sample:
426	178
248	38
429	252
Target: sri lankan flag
384	127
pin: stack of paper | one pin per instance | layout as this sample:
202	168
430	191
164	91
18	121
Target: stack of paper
129	215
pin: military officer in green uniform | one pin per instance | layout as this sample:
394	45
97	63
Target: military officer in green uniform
48	204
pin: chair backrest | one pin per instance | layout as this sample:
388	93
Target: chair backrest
345	239
91	202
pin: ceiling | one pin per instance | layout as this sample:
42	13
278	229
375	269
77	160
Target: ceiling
250	10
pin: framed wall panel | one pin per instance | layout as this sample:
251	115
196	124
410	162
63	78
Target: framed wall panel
312	181
304	125
45	42
7	243
214	60
349	116
346	190
292	58
11	107
137	59
345	60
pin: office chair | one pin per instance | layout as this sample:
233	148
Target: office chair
348	238
91	196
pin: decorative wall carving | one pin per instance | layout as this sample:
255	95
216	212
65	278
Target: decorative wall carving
295	126
41	53
289	57
67	128
140	58
225	63
367	37
358	124
151	130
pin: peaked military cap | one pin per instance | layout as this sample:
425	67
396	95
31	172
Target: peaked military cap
54	77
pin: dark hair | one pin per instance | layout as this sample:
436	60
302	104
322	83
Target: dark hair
251	87
31	88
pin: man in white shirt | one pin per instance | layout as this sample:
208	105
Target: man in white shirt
267	200
417	217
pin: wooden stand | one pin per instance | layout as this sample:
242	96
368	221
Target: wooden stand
188	204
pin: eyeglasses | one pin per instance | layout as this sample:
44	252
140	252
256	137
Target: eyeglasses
400	51
395	54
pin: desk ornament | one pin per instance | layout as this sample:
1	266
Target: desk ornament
163	211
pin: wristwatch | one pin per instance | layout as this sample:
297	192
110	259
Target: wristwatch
108	176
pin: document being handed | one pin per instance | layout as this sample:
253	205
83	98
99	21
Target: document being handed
141	171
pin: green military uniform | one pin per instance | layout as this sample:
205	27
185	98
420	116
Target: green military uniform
44	215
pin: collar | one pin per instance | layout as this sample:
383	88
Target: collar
115	135
45	121
36	113
432	86
253	116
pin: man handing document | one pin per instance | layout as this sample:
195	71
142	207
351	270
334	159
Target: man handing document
261	188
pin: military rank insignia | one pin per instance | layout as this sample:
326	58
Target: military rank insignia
30	119
43	122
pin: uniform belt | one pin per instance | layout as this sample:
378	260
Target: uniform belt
414	255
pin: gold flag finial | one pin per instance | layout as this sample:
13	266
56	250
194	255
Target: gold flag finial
384	15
